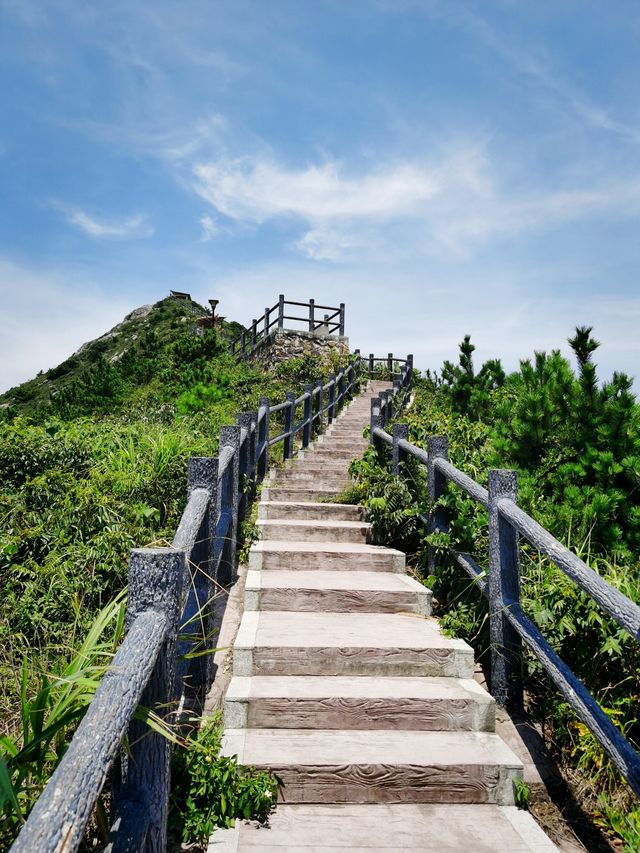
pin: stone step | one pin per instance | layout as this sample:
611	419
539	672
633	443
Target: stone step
286	643
381	766
295	493
380	828
310	510
302	473
328	453
330	480
317	467
336	592
330	556
293	530
339	702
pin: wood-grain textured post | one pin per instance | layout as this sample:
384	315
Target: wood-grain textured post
504	591
320	392
437	448
281	311
371	365
306	415
289	422
246	421
254	332
390	364
267	315
230	441
156	582
202	473
399	432
312	315
332	399
342	312
340	390
262	449
375	422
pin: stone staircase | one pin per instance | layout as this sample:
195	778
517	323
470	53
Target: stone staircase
343	685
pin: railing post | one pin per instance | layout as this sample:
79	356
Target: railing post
320	420
437	448
289	418
399	432
262	449
202	473
243	342
390	364
410	371
281	311
341	330
376	421
312	315
141	777
254	331
340	390
246	421
230	438
371	365
332	398
306	415
504	591
267	314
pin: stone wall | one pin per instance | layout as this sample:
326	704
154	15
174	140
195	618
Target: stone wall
283	344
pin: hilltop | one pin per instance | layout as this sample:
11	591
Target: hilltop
126	359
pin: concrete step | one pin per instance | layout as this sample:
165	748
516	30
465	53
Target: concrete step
293	530
286	643
329	453
329	556
376	766
291	492
336	592
325	474
334	702
429	828
310	510
322	468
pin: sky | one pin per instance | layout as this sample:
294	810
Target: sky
443	167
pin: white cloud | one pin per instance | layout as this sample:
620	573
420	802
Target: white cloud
133	227
447	208
209	228
47	316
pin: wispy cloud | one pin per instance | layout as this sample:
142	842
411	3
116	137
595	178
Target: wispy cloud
209	228
449	207
134	227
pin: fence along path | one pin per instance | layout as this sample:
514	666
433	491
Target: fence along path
170	589
344	685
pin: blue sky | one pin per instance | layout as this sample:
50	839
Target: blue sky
443	167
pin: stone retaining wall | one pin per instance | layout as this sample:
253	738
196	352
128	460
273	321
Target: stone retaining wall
284	344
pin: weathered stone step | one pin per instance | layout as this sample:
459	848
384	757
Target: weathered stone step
294	493
327	481
336	592
285	643
293	530
327	453
376	766
317	467
429	828
310	510
336	556
339	702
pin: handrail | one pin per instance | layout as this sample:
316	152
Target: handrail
169	587
509	626
260	329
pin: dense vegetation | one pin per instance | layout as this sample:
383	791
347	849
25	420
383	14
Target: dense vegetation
93	458
576	446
